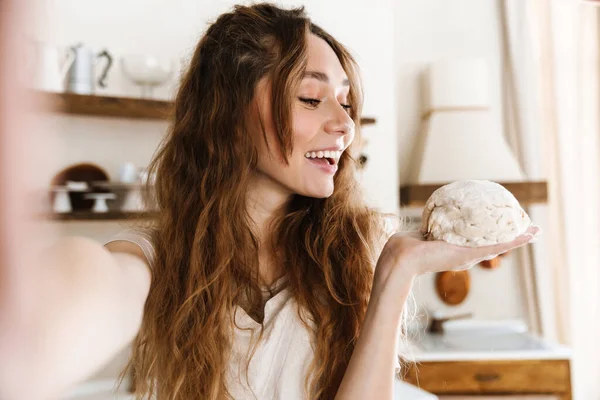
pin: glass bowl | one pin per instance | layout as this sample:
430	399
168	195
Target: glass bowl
147	71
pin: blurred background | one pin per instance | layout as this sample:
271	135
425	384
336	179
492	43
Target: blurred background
503	90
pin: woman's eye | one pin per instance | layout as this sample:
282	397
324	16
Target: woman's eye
310	102
316	102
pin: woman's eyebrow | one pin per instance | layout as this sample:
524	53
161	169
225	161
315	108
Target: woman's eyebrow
323	77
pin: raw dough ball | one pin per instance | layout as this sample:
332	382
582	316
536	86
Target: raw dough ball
473	213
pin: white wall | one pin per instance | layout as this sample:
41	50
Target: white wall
432	30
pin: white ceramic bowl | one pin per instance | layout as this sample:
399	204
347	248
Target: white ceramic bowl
147	70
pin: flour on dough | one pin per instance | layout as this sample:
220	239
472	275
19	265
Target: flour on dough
473	213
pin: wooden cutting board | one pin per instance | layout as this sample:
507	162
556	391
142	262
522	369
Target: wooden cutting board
453	287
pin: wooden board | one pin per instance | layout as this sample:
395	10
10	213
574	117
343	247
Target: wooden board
92	216
525	192
452	287
107	106
124	107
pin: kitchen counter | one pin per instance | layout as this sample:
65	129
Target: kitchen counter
483	359
474	341
406	391
103	390
98	389
414	353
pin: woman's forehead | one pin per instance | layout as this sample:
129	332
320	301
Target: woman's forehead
322	60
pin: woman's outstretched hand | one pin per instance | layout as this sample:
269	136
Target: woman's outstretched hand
413	255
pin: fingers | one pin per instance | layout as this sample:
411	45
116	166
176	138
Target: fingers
504	247
530	236
535	231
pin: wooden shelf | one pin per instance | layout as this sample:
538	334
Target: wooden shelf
123	107
535	192
92	216
367	121
107	106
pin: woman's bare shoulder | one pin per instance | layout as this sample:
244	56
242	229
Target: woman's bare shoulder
122	246
132	242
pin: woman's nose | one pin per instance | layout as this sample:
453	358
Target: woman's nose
340	123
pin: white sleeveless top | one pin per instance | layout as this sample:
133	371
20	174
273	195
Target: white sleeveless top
278	368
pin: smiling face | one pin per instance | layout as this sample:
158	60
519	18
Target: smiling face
322	126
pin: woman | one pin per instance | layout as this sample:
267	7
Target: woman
263	276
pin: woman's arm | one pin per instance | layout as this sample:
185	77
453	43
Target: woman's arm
370	373
66	311
83	304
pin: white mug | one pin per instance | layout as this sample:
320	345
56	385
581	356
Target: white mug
128	173
62	202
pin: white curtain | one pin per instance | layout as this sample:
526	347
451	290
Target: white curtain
522	131
584	228
553	123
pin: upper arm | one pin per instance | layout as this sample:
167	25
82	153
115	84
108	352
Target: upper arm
134	265
127	247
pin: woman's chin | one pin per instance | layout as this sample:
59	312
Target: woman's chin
320	192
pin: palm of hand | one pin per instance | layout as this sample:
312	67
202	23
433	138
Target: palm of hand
411	251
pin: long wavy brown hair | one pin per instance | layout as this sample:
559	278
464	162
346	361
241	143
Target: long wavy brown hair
206	250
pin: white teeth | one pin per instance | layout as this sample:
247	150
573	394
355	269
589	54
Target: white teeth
336	154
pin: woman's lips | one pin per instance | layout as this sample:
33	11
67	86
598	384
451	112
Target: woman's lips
323	165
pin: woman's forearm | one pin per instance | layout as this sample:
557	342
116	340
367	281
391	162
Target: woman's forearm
80	308
370	373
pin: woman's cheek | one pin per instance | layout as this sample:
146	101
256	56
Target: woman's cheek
306	126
